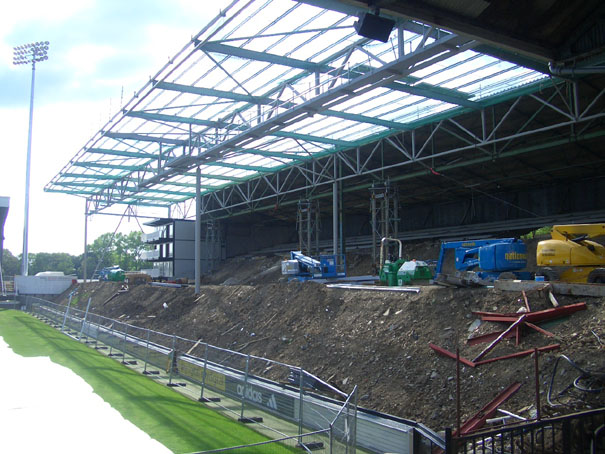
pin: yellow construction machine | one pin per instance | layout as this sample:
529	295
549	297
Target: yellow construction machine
570	256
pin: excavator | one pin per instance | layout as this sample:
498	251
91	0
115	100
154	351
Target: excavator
570	256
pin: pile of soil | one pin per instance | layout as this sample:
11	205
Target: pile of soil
378	341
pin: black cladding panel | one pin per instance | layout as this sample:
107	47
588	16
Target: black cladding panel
374	27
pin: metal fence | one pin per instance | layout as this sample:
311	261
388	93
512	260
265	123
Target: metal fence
576	433
283	400
285	445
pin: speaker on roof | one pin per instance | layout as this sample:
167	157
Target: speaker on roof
374	27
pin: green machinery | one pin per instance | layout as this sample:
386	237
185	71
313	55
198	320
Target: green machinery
112	273
401	272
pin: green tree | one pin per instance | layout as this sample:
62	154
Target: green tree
129	248
11	265
101	253
53	261
109	250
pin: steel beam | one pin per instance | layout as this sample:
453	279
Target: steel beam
143	138
264	57
123	153
201	91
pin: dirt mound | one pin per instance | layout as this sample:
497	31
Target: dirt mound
376	340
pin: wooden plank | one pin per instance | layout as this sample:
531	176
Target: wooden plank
552	299
525	300
559	288
195	345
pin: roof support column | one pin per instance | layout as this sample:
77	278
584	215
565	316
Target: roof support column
335	217
198	229
400	48
576	107
84	265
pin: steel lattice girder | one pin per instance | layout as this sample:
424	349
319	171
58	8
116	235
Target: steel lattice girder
484	142
250	117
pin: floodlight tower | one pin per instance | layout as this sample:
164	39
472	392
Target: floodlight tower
24	55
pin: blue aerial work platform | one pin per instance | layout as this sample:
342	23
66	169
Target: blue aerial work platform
304	268
489	259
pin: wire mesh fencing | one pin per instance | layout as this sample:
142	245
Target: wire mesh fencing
308	443
285	400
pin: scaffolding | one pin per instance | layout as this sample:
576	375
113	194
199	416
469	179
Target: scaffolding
212	246
384	206
308	227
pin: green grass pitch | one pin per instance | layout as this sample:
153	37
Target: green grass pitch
179	423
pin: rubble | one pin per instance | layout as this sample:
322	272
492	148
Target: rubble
378	341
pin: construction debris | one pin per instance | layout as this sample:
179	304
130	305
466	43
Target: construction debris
487	349
480	418
552	299
559	288
533	317
442	351
376	288
527	319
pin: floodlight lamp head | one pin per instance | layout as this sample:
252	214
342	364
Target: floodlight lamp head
30	53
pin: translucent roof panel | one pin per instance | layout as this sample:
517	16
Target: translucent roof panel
274	83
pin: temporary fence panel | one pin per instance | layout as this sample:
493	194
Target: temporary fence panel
255	384
308	443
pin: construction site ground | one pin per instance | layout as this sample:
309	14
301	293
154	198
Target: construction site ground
378	341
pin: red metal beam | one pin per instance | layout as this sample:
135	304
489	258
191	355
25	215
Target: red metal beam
491	336
540	330
510	329
478	420
442	351
486	338
518	354
533	317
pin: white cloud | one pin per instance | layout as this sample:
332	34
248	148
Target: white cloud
84	59
30	11
99	50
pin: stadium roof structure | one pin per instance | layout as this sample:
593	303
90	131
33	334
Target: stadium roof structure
272	85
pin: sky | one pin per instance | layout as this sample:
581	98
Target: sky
101	52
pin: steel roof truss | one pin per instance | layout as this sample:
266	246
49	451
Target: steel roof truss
225	135
477	143
594	101
264	57
504	117
144	138
123	153
569	115
92	176
421	155
104	165
214	93
370	156
347	162
400	147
